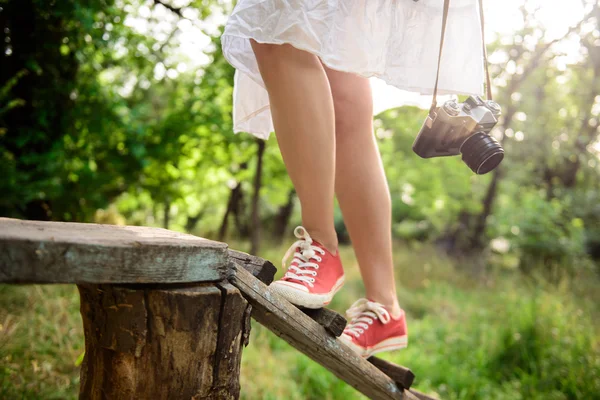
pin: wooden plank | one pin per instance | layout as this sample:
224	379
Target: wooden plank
332	321
409	395
262	269
61	252
404	377
421	396
306	335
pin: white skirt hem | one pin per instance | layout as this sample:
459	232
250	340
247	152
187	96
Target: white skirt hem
327	61
392	41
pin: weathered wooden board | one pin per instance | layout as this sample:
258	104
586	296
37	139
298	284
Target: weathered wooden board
401	375
61	252
306	335
335	323
332	321
262	269
421	396
234	332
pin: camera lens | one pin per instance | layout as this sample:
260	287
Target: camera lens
482	153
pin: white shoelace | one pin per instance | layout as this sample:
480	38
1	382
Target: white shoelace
307	252
362	314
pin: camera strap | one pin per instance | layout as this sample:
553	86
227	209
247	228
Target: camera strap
485	62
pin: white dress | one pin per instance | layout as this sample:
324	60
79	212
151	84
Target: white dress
394	40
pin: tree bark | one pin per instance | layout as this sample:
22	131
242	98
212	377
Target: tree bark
477	239
283	218
478	235
166	215
240	216
232	206
239	212
192	220
235	206
255	235
162	342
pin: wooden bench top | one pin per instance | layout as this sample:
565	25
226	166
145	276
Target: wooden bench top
66	252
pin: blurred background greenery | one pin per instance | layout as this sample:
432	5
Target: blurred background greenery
119	111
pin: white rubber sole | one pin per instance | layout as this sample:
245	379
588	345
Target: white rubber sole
299	295
393	343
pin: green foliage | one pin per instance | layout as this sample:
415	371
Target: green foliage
65	145
548	232
109	112
7	103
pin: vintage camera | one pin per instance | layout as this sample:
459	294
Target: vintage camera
462	128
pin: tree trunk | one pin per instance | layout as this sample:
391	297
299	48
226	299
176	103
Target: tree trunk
192	220
166	209
478	236
241	217
283	217
457	241
232	206
255	235
239	211
235	206
477	240
163	342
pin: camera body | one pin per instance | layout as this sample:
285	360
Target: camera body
462	128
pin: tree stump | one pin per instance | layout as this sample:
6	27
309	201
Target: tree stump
162	342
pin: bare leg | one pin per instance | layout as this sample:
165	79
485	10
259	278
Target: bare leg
303	116
361	186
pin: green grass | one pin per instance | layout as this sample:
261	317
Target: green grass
494	336
41	341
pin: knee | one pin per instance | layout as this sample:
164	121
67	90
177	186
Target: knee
353	105
353	113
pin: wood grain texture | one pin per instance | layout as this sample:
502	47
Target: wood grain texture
262	269
421	396
234	330
332	321
61	252
162	344
403	376
306	335
409	395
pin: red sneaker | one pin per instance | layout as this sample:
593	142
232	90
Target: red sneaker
372	329
314	275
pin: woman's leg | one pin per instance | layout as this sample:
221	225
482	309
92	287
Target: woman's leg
303	116
361	186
